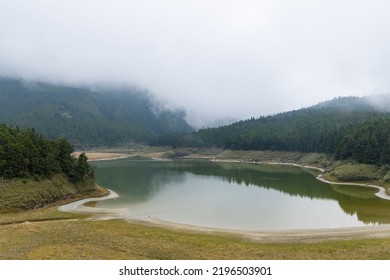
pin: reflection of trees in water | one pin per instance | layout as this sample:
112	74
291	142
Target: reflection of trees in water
146	178
369	211
293	181
298	182
143	178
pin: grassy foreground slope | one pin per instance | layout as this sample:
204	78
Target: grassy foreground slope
68	236
26	194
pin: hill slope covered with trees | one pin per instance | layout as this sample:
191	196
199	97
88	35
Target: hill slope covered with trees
86	117
27	153
35	171
349	128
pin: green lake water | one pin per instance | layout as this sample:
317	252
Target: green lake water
237	196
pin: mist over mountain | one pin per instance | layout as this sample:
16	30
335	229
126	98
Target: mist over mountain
380	103
87	117
355	128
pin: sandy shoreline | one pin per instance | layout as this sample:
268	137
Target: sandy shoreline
295	235
79	207
97	156
381	190
279	236
266	236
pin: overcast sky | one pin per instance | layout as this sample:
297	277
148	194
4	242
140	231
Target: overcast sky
217	59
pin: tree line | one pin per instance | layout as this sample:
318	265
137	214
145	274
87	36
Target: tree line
25	153
347	128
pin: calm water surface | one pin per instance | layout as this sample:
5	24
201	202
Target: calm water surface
237	196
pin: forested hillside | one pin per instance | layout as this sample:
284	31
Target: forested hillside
86	117
35	171
27	154
348	128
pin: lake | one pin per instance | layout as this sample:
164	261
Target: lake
237	195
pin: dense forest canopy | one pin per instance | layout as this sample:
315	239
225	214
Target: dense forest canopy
349	128
25	153
87	117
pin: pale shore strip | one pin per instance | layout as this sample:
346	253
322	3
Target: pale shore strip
381	190
277	236
266	236
97	156
79	207
270	163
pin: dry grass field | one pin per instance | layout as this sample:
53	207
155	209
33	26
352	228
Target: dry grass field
49	234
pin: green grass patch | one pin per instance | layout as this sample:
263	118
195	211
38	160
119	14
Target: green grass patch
386	178
316	159
44	214
271	156
356	172
27	194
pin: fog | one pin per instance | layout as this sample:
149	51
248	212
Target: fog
219	60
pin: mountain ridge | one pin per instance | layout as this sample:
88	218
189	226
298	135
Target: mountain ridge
346	127
87	117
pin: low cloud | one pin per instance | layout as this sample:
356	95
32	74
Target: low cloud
218	60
